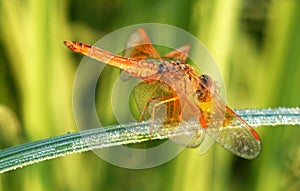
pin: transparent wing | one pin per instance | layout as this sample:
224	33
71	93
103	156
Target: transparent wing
206	144
180	54
233	133
149	94
138	46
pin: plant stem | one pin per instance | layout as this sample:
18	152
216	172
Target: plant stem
50	148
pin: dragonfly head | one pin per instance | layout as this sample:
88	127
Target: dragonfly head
206	88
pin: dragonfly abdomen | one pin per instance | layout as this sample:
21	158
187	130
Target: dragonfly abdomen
101	55
143	69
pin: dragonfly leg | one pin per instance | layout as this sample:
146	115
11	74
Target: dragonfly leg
146	107
155	106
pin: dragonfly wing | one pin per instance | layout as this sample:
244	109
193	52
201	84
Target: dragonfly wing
236	136
206	144
191	140
148	92
125	76
138	46
180	54
156	92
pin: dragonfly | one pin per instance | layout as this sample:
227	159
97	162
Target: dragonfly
171	88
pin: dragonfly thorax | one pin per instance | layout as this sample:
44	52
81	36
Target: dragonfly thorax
206	88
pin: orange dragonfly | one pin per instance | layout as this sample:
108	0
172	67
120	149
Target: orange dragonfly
170	82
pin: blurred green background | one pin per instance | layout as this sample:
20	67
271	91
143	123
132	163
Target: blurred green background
255	42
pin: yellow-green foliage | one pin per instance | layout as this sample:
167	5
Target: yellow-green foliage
256	44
